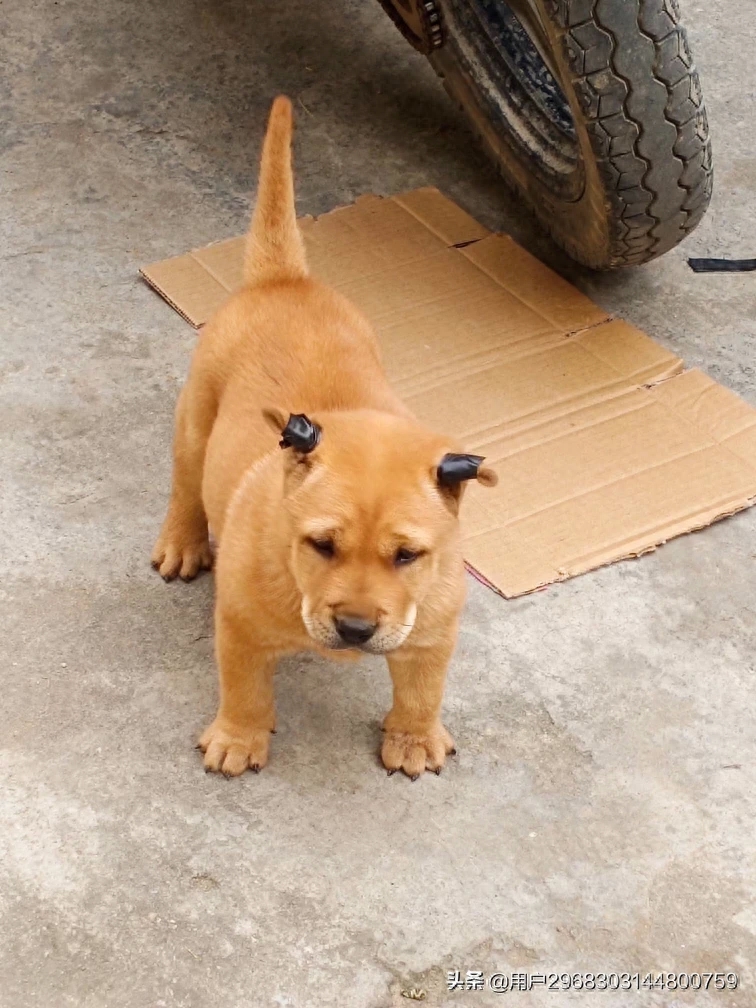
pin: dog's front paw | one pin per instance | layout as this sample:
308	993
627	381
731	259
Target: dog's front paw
414	753
183	555
230	749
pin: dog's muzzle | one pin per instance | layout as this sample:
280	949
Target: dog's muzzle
344	632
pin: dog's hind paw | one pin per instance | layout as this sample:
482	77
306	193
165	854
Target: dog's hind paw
416	753
231	750
174	557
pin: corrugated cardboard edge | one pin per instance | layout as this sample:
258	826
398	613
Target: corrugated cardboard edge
707	519
152	282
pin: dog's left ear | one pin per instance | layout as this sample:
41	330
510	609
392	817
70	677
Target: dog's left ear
454	470
298	432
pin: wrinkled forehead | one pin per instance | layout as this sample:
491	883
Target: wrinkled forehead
370	504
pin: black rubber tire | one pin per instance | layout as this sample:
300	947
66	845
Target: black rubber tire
641	178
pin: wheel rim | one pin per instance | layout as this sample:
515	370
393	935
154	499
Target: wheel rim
507	52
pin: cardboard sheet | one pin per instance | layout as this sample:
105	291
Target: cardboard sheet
604	445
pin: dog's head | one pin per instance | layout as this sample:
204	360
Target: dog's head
370	502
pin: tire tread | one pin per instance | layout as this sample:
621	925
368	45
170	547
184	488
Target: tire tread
629	161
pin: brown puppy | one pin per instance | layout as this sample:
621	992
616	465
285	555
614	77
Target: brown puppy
345	540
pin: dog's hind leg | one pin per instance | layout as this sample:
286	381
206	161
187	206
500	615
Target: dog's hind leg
183	546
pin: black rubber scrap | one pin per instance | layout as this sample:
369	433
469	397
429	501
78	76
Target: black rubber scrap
722	265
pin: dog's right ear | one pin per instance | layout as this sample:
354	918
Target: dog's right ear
298	432
302	436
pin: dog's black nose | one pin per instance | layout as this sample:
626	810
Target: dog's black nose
354	630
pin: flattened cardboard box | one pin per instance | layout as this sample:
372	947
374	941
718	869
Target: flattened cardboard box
604	445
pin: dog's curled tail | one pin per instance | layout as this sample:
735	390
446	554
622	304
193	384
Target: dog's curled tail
275	250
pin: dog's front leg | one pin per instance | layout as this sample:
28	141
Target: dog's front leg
239	737
415	739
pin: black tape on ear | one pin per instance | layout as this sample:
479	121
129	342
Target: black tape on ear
453	469
301	434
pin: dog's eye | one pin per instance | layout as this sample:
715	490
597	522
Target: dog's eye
405	556
325	547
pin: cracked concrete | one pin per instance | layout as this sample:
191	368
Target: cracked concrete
600	813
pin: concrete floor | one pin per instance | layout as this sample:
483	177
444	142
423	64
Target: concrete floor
600	814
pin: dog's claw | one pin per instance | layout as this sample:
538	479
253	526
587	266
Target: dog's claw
255	767
437	771
414	777
452	752
390	773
